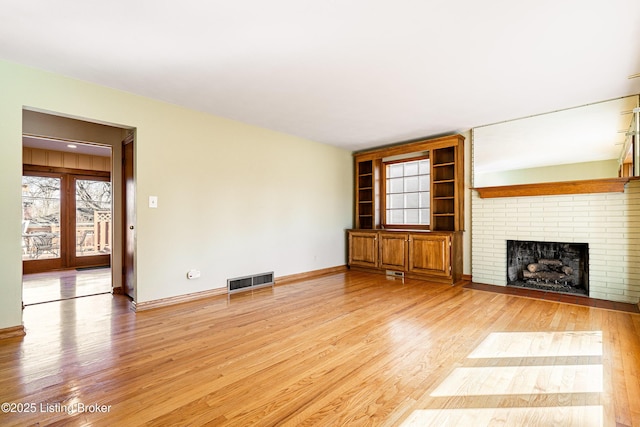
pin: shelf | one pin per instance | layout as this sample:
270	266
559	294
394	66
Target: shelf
440	174
365	181
442	156
611	185
366	222
444	189
365	168
443	223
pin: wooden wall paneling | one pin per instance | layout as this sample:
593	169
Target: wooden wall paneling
60	159
85	162
27	155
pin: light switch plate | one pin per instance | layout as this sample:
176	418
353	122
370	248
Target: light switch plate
153	201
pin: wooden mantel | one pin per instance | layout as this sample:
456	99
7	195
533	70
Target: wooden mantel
610	185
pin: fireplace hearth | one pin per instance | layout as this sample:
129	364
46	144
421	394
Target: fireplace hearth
549	266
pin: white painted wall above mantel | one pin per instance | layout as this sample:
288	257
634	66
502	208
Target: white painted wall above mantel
608	222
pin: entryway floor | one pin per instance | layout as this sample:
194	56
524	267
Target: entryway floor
67	284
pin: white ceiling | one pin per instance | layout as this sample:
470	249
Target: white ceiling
353	73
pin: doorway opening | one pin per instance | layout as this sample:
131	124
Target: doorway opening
71	201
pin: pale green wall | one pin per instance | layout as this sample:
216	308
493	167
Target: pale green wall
234	199
569	172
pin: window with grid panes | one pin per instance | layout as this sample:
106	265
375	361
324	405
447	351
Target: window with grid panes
407	188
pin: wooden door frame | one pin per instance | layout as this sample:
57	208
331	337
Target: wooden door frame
47	264
128	206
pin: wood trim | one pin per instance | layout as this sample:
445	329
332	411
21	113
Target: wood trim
69	171
418	157
406	227
179	299
383	194
12	332
411	147
284	280
408	275
611	185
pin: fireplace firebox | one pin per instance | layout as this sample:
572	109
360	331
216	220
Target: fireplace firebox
549	266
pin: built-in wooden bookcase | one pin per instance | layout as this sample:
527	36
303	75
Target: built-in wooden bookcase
447	182
446	189
365	215
434	253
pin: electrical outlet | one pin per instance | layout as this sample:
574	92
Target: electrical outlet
193	274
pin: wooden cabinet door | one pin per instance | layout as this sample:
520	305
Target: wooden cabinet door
430	254
393	251
363	249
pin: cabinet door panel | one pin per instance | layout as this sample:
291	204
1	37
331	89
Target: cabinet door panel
393	251
430	254
363	249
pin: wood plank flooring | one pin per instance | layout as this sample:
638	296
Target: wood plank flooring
38	288
345	349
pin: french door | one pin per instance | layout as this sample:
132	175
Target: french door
66	219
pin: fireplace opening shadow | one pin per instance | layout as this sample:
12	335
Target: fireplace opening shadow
548	266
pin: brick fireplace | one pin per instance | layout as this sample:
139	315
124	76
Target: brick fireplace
609	223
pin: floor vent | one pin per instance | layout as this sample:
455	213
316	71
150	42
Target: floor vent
245	283
394	273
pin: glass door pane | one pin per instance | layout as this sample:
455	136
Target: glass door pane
93	217
40	217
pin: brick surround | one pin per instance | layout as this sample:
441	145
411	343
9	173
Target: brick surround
608	222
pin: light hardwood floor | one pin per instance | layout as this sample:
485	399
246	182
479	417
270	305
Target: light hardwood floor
345	349
66	284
